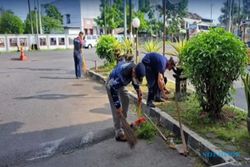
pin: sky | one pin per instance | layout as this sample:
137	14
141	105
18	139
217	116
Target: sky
201	7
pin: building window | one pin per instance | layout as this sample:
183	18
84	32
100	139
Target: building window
52	41
91	31
2	44
86	31
23	41
13	42
43	42
71	41
61	41
68	19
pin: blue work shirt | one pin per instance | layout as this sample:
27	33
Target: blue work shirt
120	76
78	44
156	62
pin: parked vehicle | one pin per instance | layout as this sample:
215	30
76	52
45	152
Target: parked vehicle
90	41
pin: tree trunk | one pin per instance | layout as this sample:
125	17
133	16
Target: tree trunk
248	124
248	118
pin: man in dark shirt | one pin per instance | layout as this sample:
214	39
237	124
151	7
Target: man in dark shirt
120	77
78	44
156	65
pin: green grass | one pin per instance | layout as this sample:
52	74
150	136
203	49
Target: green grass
232	129
146	131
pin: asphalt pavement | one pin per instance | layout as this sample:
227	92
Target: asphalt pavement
47	117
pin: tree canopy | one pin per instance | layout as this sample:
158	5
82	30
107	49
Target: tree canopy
52	22
10	23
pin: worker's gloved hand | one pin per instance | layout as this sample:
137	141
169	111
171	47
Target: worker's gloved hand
119	112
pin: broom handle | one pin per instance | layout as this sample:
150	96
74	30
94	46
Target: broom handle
159	131
181	130
139	111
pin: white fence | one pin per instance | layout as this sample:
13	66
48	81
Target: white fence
11	42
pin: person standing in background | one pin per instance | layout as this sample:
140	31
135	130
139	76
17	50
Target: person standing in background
78	44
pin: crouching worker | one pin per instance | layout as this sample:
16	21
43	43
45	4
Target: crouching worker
156	65
120	77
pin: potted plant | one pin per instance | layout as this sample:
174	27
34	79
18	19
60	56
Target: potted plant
246	81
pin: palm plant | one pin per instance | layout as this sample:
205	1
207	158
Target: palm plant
152	46
176	49
246	81
127	48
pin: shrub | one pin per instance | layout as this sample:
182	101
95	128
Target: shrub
146	131
152	46
212	61
248	52
105	47
246	81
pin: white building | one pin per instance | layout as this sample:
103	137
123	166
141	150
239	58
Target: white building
79	15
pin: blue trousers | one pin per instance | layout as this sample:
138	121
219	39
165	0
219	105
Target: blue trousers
152	78
78	64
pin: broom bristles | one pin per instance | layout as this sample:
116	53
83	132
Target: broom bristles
131	138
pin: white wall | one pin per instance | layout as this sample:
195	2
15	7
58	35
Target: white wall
60	41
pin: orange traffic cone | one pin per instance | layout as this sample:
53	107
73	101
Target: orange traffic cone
22	55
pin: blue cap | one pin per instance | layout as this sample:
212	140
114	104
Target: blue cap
140	71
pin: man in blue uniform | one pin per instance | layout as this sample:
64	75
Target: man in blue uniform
120	77
78	44
156	65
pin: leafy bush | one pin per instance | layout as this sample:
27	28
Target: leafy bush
212	61
246	81
248	52
106	46
146	131
152	46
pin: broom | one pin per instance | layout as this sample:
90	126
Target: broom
183	150
84	65
131	138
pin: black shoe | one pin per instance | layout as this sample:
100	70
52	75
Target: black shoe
158	100
121	138
150	104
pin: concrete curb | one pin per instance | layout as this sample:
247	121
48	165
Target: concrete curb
62	145
195	142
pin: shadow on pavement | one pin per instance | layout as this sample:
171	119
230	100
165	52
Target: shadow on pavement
57	77
38	69
102	110
51	96
101	88
17	148
15	59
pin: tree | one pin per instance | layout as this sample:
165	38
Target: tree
52	11
110	18
212	61
27	22
51	25
175	13
246	8
10	24
154	24
52	22
236	14
143	22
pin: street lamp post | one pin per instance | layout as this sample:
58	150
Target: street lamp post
136	25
